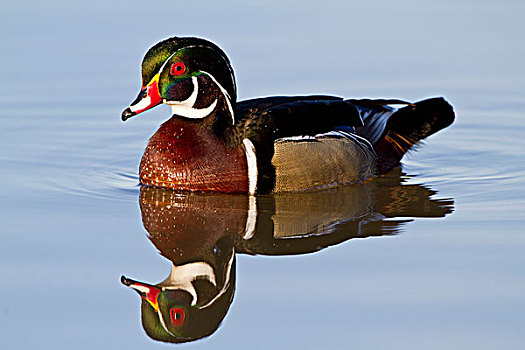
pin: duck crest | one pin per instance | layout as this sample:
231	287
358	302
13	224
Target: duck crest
184	154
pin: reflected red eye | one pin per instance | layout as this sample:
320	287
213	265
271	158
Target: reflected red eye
177	316
177	68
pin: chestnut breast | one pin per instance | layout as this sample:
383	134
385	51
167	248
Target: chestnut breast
185	155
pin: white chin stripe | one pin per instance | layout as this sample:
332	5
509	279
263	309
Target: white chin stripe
185	108
193	113
142	289
251	160
181	277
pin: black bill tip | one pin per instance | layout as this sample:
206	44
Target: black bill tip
127	114
126	281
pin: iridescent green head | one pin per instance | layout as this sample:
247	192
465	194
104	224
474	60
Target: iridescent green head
192	75
180	309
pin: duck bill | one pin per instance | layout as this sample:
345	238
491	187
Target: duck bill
148	98
147	292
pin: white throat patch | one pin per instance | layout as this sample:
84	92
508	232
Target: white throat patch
186	108
181	277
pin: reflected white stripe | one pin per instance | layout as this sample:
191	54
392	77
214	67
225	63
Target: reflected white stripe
251	220
181	277
142	289
226	281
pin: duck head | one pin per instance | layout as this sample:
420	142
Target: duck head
191	75
192	302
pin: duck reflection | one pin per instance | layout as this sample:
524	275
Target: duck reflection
201	233
192	301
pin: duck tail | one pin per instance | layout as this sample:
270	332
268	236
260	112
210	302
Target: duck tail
408	126
394	132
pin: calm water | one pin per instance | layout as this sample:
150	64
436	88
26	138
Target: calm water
445	270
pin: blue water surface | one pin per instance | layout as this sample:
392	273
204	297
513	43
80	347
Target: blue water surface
71	224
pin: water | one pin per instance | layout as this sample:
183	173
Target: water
72	223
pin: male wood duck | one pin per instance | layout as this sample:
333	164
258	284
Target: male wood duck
272	144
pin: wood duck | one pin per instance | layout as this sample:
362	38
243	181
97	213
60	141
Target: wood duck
272	144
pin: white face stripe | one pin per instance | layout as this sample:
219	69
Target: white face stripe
181	277
185	108
226	281
163	323
166	62
192	113
224	92
190	101
251	160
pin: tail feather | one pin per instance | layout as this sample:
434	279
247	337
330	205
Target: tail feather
375	119
395	132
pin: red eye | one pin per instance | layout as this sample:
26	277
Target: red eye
177	316
177	68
